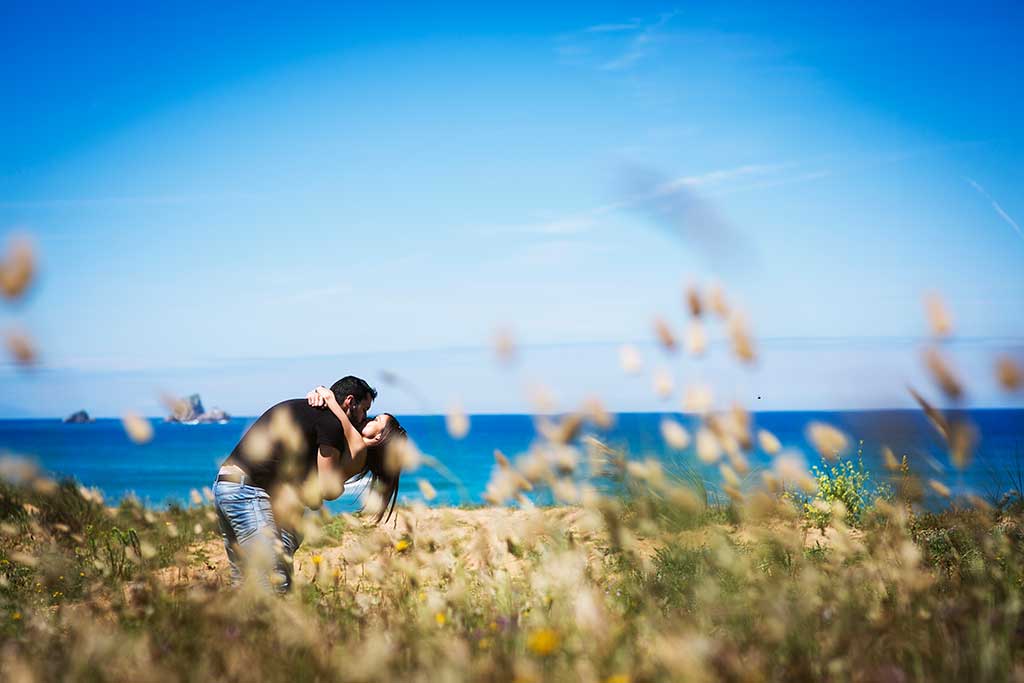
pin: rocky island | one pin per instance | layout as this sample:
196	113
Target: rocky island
78	418
190	411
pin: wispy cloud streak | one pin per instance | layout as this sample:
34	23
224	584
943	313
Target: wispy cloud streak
615	46
716	182
126	201
641	44
998	209
613	28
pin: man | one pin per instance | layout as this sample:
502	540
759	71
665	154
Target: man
285	463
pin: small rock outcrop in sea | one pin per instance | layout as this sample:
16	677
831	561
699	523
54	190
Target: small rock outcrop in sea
190	411
80	417
186	409
214	415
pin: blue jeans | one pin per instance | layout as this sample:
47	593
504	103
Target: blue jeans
252	538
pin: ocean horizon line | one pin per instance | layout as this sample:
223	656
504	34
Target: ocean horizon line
883	409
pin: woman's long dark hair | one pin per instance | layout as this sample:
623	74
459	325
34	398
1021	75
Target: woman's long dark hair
384	471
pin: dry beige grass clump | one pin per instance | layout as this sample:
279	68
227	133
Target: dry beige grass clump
18	267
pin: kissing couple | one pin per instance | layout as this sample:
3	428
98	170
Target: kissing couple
298	454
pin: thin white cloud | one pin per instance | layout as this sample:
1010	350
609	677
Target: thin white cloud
641	45
704	181
544	252
142	200
998	209
614	28
626	60
615	46
319	293
589	219
775	182
571	225
721	176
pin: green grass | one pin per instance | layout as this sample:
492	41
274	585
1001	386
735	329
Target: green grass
648	586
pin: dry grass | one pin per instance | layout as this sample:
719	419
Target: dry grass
651	585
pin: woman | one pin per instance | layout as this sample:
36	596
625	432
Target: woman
379	435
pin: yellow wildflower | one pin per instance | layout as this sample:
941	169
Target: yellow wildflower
543	641
317	559
618	678
402	544
440	618
16	616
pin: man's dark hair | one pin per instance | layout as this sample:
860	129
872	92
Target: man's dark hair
352	386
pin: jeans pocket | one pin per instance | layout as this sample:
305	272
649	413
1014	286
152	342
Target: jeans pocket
241	515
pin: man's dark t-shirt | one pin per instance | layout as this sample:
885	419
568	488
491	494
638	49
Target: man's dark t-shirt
281	446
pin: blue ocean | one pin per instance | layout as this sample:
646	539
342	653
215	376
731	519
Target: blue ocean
181	458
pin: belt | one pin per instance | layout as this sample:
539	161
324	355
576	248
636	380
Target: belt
232	474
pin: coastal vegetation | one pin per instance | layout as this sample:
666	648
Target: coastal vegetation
657	578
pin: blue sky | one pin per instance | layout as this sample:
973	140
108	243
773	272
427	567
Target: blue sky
242	200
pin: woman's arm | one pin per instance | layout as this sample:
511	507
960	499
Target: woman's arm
356	445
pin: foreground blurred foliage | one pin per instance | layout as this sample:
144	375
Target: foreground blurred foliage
660	581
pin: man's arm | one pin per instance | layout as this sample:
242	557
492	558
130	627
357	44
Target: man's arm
331	471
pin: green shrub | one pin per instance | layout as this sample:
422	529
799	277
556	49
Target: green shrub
847	482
